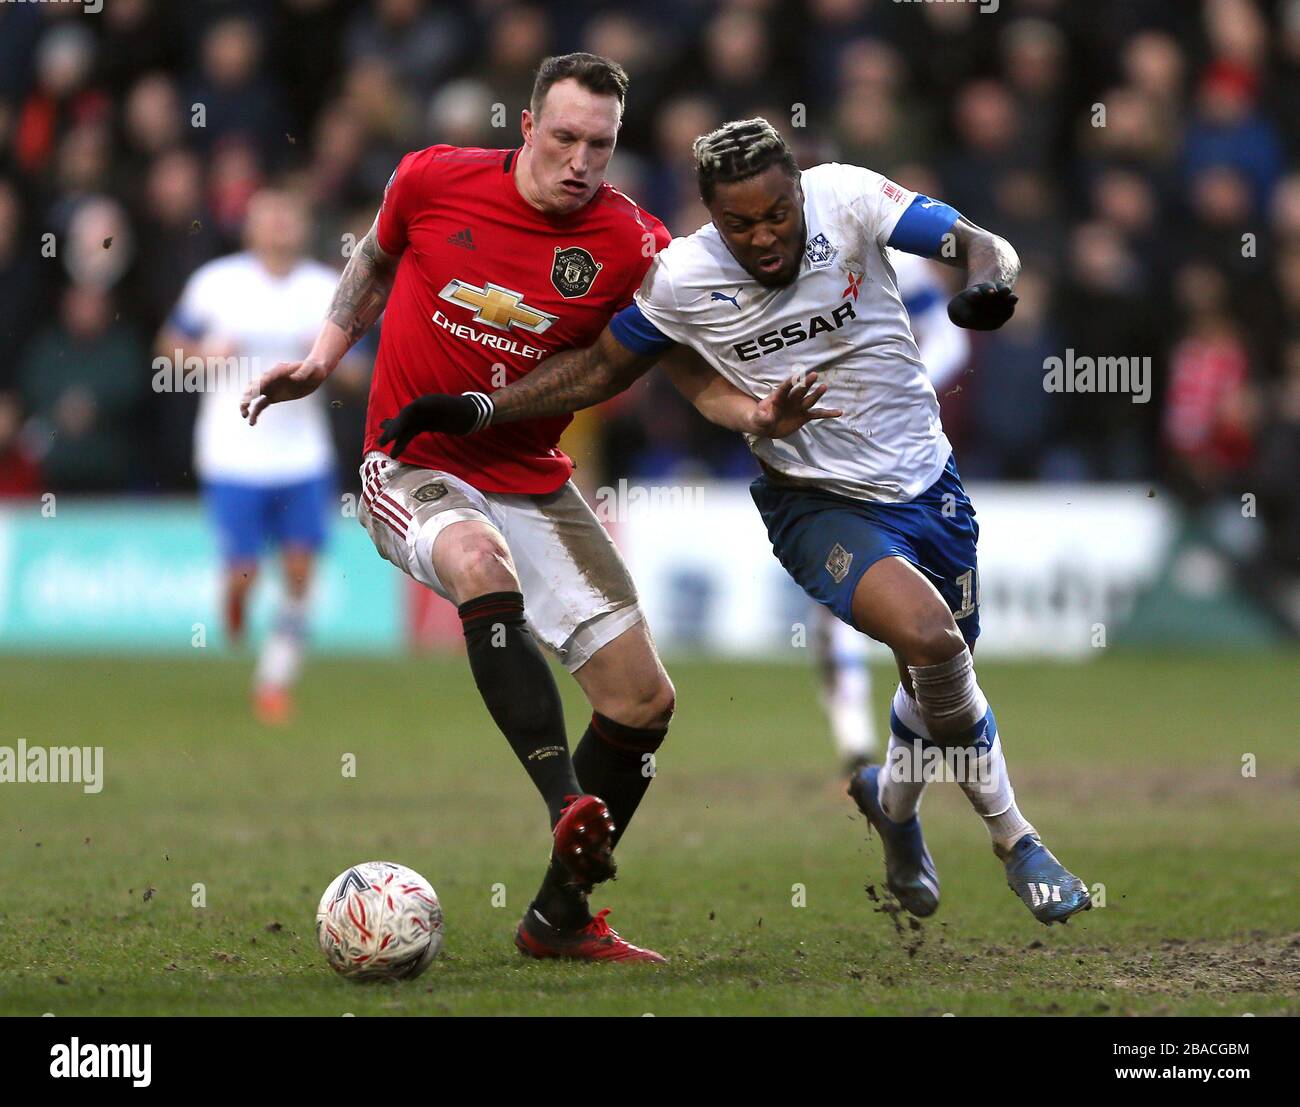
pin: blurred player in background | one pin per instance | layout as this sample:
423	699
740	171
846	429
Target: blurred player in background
839	650
483	263
242	314
864	507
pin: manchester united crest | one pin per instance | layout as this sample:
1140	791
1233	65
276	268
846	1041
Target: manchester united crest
574	271
428	493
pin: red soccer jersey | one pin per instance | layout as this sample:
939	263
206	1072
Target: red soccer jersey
487	282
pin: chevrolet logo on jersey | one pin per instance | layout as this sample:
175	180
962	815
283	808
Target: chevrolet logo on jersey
792	333
498	307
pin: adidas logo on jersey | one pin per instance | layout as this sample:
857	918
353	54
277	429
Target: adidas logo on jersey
462	238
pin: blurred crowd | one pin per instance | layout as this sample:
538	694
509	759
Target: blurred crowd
1140	155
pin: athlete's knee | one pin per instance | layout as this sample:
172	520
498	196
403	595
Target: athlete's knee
646	705
240	577
653	708
476	565
663	703
929	639
298	566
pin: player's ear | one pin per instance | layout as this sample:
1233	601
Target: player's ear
526	126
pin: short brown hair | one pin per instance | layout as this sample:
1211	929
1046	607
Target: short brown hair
591	71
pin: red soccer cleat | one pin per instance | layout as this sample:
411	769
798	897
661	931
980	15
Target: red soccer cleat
584	841
273	706
597	941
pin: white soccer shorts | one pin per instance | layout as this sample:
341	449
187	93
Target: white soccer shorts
578	594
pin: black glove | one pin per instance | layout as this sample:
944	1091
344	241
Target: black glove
983	307
439	413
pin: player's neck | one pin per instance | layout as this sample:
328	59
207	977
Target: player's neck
524	183
278	265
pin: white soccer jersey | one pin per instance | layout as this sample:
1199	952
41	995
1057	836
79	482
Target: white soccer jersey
235	302
842	317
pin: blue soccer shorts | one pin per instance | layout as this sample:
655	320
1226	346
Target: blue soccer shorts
826	541
250	517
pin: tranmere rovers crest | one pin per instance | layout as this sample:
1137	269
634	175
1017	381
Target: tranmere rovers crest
574	271
838	562
820	251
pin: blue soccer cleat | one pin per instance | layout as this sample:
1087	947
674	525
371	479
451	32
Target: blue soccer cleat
1050	891
909	869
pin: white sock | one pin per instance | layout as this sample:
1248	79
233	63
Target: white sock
280	660
989	790
900	783
848	691
950	696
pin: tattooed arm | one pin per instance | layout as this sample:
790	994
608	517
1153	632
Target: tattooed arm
563	383
571	380
358	301
361	295
574	379
580	378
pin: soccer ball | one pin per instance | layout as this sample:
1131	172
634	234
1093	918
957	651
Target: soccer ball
378	921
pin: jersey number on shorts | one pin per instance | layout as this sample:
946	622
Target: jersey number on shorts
969	594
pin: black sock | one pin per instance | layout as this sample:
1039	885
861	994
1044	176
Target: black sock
560	903
615	762
611	763
520	693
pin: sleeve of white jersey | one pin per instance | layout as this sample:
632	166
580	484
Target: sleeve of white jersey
876	202
657	298
194	313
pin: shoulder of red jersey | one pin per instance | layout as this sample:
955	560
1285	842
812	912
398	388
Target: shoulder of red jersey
443	156
410	186
640	221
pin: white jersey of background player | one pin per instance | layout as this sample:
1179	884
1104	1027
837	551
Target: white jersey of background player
273	486
260	318
840	651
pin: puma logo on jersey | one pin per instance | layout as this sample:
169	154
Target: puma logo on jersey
729	299
1041	893
793	333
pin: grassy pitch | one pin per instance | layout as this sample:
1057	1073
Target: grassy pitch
746	865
